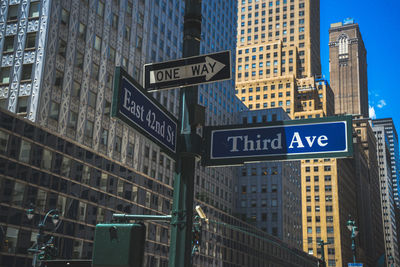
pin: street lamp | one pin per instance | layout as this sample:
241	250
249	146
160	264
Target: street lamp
351	225
40	248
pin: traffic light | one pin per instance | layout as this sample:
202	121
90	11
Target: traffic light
119	245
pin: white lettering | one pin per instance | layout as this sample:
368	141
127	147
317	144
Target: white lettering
126	99
310	141
296	139
321	139
277	142
247	143
234	142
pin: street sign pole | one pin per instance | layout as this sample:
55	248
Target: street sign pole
182	207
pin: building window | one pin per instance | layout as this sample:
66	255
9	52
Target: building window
54	110
95	71
46	159
34	10
30	40
118	144
25	151
65	166
327	168
12	12
73	117
8	46
59	78
89	129
26	73
343	45
3	142
64	16
92	99
76	89
104	137
22	105
62	48
100	8
5	75
79	60
97	43
82	31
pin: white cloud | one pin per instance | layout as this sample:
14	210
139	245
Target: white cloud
381	103
372	114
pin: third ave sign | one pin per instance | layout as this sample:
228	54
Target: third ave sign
188	71
297	139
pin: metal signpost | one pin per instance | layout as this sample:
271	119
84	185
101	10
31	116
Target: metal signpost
188	71
310	138
137	108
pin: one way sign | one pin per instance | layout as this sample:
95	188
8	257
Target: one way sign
188	71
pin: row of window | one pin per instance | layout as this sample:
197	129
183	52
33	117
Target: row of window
327	178
260	66
9	42
327	168
262	189
328	198
284	31
328	208
265	88
26	74
270	3
268	55
13	10
329	219
270	19
268	71
277	33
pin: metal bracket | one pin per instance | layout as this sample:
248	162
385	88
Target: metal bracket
178	217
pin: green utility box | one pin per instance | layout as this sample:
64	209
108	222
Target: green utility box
119	245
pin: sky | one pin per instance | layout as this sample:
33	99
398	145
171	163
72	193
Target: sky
379	23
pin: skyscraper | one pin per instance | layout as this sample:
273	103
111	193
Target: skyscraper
269	193
387	195
348	68
391	135
278	58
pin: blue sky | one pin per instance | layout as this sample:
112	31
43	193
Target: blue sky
379	22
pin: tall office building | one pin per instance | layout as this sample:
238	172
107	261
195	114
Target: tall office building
58	61
348	68
387	196
269	193
278	58
391	135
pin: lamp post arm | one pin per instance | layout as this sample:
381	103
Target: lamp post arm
47	215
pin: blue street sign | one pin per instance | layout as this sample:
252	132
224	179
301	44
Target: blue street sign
311	138
355	265
140	110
